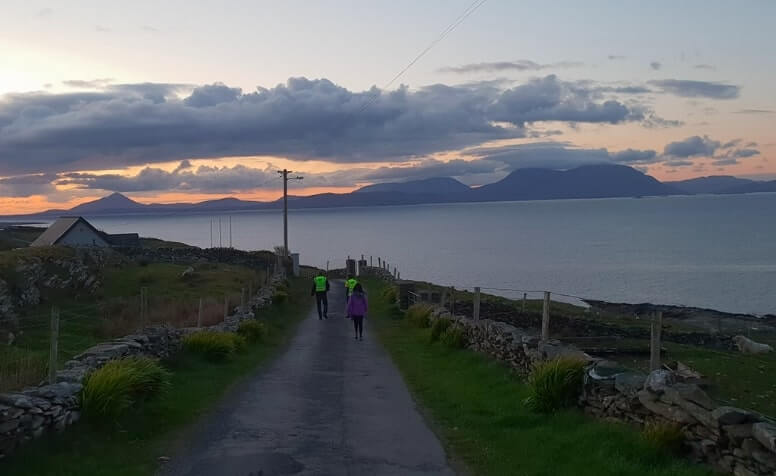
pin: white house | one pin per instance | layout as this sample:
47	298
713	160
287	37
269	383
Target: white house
72	231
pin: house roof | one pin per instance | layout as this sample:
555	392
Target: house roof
58	229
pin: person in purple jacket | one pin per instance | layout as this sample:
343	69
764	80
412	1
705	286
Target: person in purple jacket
357	307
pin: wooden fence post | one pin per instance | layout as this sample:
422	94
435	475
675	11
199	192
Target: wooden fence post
53	346
525	297
476	311
655	344
546	317
226	307
452	300
199	315
443	298
242	298
370	261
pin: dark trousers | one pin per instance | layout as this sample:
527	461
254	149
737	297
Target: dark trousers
358	324
323	304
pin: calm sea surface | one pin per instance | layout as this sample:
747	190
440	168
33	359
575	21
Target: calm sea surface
711	251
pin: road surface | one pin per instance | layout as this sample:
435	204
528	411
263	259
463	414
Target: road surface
329	405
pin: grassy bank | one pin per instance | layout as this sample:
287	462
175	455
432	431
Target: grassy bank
476	405
134	444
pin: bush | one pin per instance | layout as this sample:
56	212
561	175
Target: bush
252	330
215	346
454	337
112	389
419	315
664	436
555	384
438	328
280	296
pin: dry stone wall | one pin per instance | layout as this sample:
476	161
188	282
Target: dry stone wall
30	413
731	440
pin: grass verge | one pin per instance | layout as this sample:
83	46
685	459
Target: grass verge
150	430
476	405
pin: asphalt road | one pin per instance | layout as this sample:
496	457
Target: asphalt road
329	405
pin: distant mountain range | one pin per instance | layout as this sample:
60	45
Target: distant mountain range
589	181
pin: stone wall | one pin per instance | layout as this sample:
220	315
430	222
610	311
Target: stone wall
30	413
729	439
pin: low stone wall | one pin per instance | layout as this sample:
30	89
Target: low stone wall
729	439
30	413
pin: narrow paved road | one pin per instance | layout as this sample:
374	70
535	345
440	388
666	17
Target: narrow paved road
329	405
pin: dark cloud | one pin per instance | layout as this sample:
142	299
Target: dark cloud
550	99
27	185
616	57
692	89
708	67
679	163
694	146
655	65
501	66
725	161
129	124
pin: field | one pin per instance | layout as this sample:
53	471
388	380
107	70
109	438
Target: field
115	310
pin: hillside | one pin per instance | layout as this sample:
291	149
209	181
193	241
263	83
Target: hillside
590	181
712	184
432	186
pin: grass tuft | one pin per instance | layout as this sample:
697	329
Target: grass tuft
438	328
555	385
454	337
112	389
419	315
215	346
664	436
252	331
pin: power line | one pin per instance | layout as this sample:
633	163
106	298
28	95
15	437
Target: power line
452	26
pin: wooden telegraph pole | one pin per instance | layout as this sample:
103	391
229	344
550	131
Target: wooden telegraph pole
284	173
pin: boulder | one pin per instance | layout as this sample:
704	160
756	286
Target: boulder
738	433
658	380
690	392
732	416
765	433
669	412
629	383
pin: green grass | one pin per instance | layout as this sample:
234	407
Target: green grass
476	405
153	428
215	346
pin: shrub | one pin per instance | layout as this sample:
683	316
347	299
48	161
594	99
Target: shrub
664	436
555	384
419	315
112	389
215	346
280	296
438	328
252	330
454	337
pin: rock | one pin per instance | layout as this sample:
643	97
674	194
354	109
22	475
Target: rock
629	383
9	425
738	433
741	470
765	433
669	412
690	392
748	346
15	400
732	416
658	380
703	416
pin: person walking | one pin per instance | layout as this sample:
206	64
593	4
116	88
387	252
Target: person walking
357	309
350	283
320	288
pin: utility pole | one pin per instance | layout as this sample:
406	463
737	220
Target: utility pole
285	173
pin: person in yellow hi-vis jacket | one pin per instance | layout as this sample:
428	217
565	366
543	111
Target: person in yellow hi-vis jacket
320	288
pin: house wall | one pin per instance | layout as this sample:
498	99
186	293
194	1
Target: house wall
82	235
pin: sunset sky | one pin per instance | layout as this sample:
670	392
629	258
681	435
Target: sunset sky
192	100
